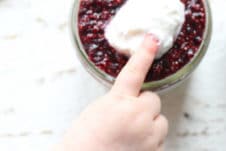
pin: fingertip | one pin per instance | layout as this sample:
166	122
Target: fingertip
150	43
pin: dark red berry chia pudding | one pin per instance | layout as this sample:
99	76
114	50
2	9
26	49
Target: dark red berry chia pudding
94	15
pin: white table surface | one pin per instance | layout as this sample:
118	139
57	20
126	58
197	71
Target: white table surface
43	86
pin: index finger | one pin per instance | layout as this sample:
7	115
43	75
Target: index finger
132	76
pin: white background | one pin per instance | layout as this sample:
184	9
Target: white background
43	87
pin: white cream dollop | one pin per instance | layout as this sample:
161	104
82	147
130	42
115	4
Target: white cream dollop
136	18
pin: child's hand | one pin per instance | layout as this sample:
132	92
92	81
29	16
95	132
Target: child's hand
124	119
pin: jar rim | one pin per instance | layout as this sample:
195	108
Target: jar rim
157	85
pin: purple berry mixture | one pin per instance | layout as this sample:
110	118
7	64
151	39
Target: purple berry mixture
94	15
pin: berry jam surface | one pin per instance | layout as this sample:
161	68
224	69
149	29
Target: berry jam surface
94	15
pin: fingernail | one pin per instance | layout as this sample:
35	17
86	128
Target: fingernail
151	40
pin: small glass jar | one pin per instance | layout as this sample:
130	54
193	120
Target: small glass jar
159	85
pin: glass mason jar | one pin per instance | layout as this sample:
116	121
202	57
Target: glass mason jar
157	86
